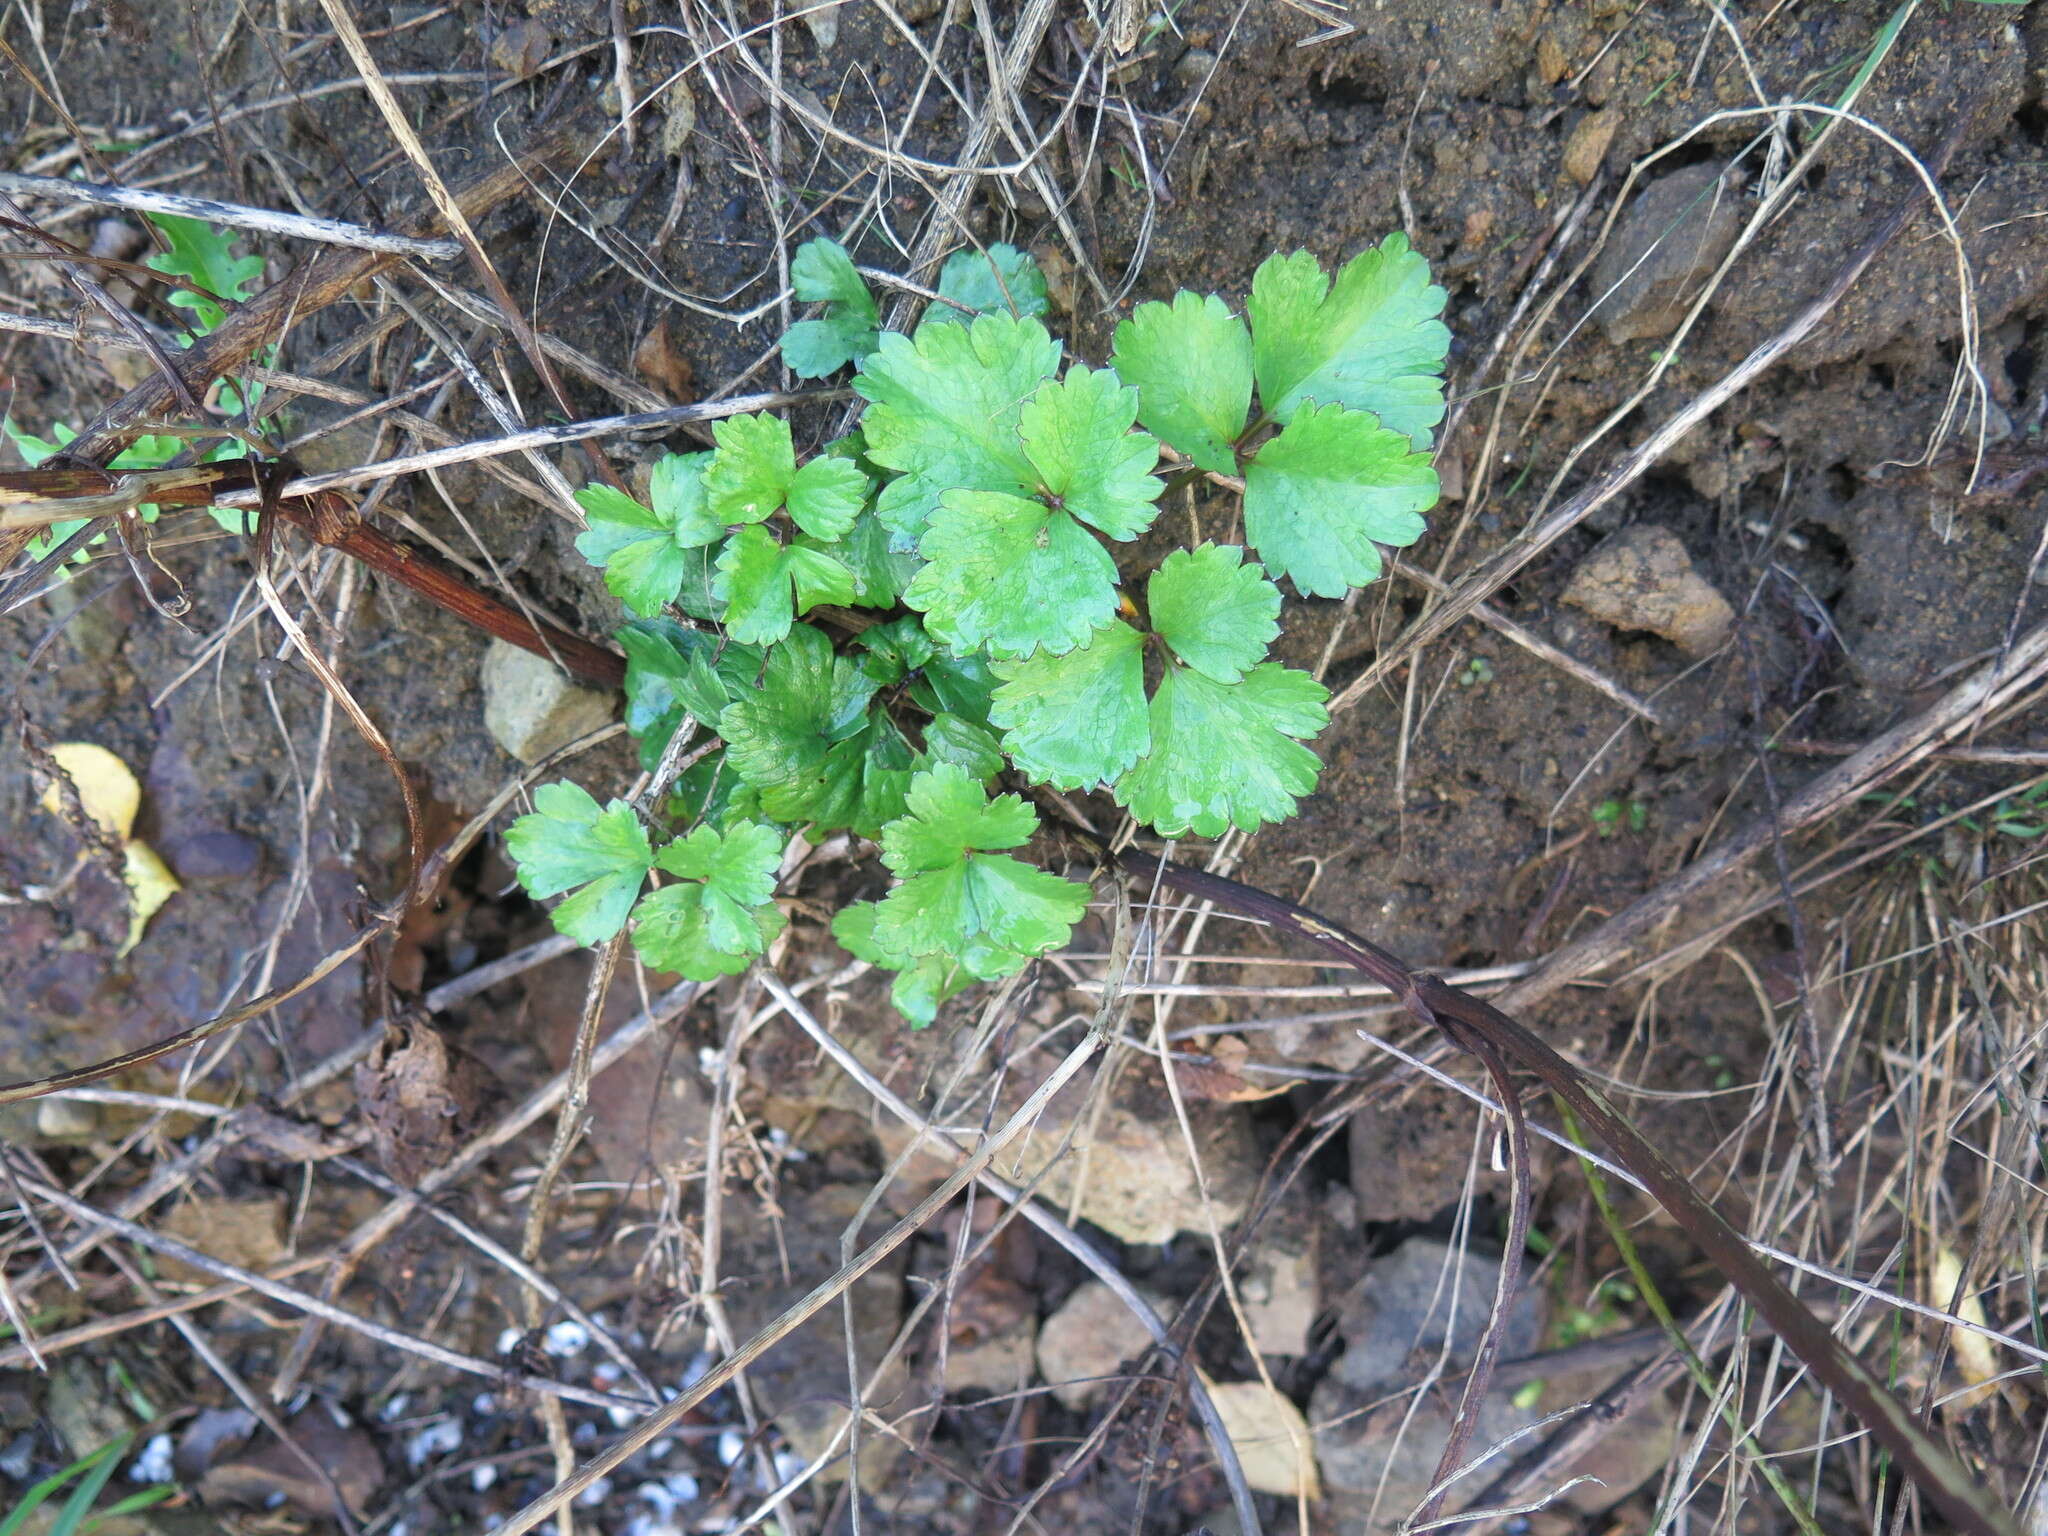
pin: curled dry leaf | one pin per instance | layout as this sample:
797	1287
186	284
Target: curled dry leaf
1219	1074
420	1098
660	363
522	48
256	1477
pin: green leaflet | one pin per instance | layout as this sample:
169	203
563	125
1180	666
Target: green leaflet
1226	754
1005	281
1010	575
1371	340
1192	366
1319	497
822	273
206	256
644	550
1076	720
764	585
1077	433
568	842
1217	613
945	412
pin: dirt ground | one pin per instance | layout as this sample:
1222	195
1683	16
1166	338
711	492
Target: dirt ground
1861	526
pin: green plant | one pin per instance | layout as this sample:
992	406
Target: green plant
1611	816
90	1474
976	516
204	257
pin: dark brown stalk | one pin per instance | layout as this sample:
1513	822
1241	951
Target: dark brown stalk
1474	1025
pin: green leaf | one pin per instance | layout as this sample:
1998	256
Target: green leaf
644	550
893	649
672	671
1078	434
822	272
923	982
1372	342
568	842
959	685
880	573
805	739
1077	720
1319	497
1192	366
765	584
205	255
722	912
950	739
1216	612
1225	754
709	791
1011	575
1004	281
826	496
951	816
956	889
945	410
751	472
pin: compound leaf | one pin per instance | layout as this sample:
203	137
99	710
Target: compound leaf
1078	435
644	551
822	273
750	474
879	573
1012	575
765	584
1226	754
1319	498
950	739
945	410
568	842
1372	341
956	890
1192	366
1004	281
1216	612
672	671
1077	720
721	913
206	255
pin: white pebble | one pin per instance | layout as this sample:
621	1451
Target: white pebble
508	1338
482	1477
595	1494
730	1444
566	1338
154	1464
436	1439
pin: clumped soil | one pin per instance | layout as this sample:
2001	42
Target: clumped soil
1477	809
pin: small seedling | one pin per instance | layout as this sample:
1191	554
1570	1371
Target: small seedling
977	514
204	255
1614	816
1478	672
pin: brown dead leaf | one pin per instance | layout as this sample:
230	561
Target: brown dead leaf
522	48
354	1469
249	1233
658	362
1219	1075
420	1098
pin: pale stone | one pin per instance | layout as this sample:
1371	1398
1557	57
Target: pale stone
531	707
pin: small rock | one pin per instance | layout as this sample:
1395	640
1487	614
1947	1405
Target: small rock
209	858
999	1363
66	1119
1279	1294
531	708
1083	1345
1550	60
1587	146
1397	1318
1193	68
1673	234
1642	578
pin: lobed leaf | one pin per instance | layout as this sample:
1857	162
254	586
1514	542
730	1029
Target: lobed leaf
1191	364
1322	495
568	843
1215	611
1225	754
1010	575
1077	720
1371	341
1077	433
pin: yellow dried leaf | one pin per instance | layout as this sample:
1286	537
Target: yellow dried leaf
150	885
106	787
1974	1355
1271	1437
